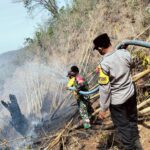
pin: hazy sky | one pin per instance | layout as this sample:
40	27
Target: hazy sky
16	25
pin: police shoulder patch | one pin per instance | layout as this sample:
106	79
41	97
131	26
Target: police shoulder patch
103	77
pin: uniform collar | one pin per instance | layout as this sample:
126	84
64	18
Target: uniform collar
109	53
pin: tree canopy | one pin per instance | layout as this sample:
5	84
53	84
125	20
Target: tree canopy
31	5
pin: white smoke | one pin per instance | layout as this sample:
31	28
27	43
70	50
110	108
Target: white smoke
37	87
31	82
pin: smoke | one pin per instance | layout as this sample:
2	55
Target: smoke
39	90
31	83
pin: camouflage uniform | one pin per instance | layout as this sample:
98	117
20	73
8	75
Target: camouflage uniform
83	102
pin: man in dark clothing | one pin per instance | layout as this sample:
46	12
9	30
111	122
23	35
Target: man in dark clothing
117	91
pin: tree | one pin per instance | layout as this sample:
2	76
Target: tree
28	41
49	5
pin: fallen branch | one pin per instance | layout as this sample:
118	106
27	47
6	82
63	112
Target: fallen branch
142	32
143	103
58	138
147	123
144	111
140	75
96	112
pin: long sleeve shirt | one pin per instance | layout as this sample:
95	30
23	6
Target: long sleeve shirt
115	83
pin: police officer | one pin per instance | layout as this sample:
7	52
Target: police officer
117	91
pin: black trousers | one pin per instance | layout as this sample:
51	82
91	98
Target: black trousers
124	117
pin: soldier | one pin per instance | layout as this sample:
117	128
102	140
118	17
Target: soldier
84	106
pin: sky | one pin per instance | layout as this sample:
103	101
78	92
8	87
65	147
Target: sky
16	25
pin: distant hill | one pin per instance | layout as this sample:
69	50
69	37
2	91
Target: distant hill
9	62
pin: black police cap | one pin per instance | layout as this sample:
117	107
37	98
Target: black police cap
102	41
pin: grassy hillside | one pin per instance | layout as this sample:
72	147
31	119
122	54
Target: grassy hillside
10	61
69	36
67	39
